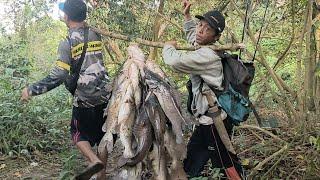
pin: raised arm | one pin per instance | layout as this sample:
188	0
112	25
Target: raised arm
189	23
193	62
56	76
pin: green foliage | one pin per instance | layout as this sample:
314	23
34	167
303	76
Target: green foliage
121	13
13	57
42	123
315	141
215	173
70	161
199	178
28	54
39	125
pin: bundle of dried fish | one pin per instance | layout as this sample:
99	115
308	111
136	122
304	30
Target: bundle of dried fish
144	110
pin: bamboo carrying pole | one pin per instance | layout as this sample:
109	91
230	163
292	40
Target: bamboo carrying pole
230	47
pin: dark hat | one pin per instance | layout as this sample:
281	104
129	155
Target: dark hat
215	19
75	9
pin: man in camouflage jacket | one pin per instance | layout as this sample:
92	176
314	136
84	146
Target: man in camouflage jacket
91	95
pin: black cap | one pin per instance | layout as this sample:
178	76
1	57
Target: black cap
75	9
215	19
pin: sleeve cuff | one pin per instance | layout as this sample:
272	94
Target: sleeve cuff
189	24
166	49
168	46
168	54
30	91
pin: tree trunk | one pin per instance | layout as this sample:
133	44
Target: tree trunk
316	30
309	61
299	75
156	28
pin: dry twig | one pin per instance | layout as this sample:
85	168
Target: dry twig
262	130
260	165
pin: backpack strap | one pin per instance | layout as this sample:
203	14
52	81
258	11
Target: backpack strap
190	96
84	50
255	112
223	55
72	79
72	59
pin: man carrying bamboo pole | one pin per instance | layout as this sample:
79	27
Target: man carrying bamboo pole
210	140
80	66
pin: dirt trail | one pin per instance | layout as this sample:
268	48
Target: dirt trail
21	168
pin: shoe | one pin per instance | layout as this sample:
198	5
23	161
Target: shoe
90	171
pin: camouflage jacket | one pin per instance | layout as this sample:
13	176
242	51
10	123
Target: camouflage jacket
92	86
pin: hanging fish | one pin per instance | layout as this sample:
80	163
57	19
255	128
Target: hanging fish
144	110
159	162
167	102
177	153
126	119
157	117
111	126
142	131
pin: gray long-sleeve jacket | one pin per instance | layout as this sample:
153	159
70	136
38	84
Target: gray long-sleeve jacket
204	64
92	86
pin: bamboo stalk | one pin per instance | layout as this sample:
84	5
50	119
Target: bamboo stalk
276	163
263	78
282	57
298	80
156	27
261	164
271	71
307	60
262	130
255	134
230	47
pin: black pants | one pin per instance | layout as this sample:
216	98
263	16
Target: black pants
205	143
86	124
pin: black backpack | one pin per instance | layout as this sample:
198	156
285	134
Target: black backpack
237	73
234	98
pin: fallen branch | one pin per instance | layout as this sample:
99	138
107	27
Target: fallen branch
294	170
262	130
255	134
259	166
230	47
276	163
249	149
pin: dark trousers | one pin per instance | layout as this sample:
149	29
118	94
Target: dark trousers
86	124
205	143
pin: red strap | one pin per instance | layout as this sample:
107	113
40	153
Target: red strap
232	174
